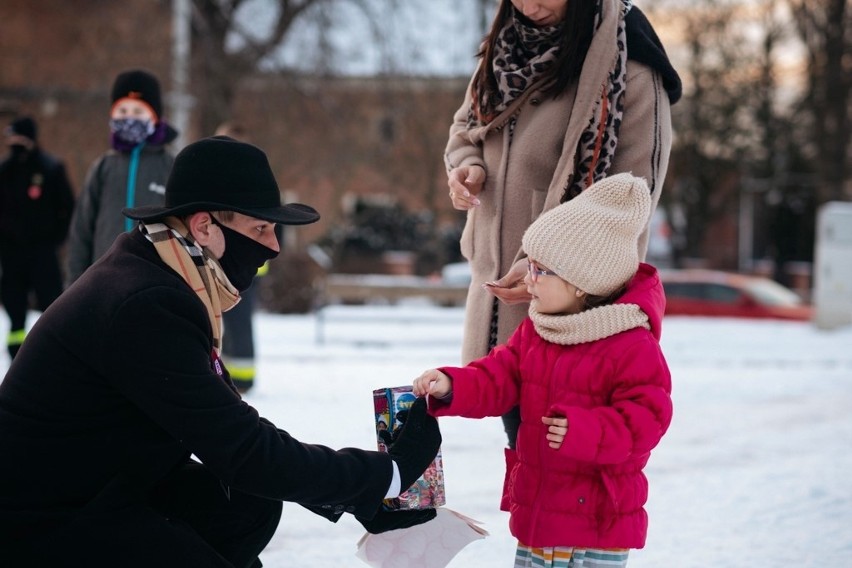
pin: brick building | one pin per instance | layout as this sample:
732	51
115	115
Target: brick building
326	138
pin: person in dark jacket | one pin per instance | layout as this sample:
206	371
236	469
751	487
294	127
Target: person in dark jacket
131	173
36	202
238	344
120	382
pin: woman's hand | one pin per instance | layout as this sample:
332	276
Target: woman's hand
511	289
465	183
433	382
557	428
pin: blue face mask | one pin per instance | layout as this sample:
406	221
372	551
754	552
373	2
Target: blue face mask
131	130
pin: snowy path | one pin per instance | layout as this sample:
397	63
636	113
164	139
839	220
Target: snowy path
755	471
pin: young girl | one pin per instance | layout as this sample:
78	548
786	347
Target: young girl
592	384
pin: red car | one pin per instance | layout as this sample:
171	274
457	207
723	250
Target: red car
698	292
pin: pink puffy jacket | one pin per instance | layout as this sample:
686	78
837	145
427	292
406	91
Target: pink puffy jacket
615	393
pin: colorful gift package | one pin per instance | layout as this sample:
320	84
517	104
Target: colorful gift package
391	408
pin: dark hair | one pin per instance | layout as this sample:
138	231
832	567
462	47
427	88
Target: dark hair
591	301
576	37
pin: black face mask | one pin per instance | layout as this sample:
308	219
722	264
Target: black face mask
243	256
19	151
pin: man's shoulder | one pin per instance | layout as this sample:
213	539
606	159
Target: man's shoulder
157	150
49	161
158	155
134	259
105	161
129	277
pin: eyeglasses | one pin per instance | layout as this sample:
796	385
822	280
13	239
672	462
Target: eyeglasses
535	271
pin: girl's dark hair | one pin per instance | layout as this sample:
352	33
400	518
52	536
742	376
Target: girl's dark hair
576	37
592	301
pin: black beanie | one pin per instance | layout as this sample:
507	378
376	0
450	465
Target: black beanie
26	127
140	85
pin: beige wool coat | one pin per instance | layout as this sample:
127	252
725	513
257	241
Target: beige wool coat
528	176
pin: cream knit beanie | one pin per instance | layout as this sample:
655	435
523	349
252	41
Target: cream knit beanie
592	240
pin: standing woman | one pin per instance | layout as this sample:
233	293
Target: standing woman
566	93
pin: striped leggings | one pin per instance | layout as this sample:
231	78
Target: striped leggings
569	557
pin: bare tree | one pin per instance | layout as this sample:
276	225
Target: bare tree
825	28
714	124
777	179
219	69
737	161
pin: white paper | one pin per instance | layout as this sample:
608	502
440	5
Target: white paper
429	545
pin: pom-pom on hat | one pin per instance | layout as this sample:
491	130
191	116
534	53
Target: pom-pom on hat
141	86
592	240
24	126
223	174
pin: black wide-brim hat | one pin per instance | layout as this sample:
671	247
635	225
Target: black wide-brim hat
223	174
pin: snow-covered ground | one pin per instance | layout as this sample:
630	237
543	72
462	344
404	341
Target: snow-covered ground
756	469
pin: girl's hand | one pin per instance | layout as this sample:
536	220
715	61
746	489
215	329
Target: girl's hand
557	427
465	183
433	382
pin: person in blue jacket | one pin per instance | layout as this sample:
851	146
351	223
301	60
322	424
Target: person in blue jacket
131	173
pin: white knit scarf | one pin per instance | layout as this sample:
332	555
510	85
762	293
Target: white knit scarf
589	325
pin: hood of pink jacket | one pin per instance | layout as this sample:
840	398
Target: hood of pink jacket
646	291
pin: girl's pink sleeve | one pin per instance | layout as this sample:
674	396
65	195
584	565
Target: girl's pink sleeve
489	386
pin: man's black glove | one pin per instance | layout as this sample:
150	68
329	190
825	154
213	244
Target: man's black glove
392	520
417	444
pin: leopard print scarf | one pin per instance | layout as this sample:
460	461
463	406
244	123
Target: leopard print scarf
522	53
598	141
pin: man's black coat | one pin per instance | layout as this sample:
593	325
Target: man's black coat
113	388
